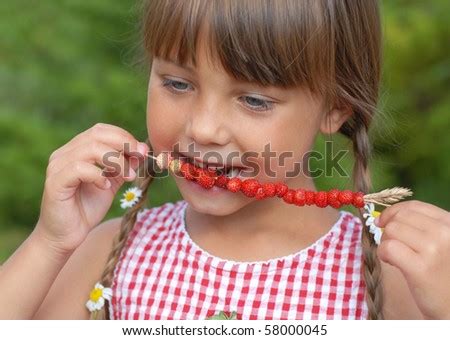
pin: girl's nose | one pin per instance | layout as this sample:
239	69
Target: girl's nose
208	127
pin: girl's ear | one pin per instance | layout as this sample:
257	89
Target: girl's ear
333	119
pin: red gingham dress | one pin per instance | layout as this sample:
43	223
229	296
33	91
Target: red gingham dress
162	274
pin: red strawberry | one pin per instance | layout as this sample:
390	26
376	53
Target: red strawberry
188	171
335	204
346	197
358	199
289	196
211	173
196	168
249	187
270	189
222	181
333	198
309	197
299	197
260	194
333	195
281	189
320	199
234	184
204	179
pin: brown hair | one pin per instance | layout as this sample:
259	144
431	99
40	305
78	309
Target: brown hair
330	46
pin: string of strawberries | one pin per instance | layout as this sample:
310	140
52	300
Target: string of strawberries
250	187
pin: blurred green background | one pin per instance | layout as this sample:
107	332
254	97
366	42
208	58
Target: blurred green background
65	65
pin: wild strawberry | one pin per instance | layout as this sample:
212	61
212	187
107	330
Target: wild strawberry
309	197
211	173
320	199
188	171
299	197
346	197
234	184
358	199
333	198
175	165
205	180
163	160
335	204
281	189
222	181
260	194
289	196
249	187
333	195
270	189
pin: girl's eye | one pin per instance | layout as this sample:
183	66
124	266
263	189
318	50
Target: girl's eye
176	85
257	104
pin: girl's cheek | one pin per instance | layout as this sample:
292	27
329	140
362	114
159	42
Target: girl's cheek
164	123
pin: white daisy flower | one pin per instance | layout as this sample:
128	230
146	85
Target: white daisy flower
377	235
130	197
370	215
97	297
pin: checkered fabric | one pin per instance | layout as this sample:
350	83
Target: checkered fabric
162	274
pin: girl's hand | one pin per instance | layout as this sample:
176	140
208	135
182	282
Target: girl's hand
77	195
416	240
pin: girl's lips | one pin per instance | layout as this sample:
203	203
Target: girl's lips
200	163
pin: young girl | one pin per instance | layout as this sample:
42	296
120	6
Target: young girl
229	77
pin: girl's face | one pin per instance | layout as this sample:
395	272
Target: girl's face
227	121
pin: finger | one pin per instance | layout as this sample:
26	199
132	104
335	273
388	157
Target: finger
112	161
398	254
77	172
112	135
412	209
419	220
406	233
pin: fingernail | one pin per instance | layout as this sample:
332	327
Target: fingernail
142	148
134	162
107	184
132	173
376	221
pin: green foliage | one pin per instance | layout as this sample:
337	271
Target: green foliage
66	65
416	96
25	147
10	240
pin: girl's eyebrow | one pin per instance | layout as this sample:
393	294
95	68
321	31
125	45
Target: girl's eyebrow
173	62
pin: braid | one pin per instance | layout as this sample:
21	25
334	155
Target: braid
361	179
127	224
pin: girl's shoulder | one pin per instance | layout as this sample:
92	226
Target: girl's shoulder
159	218
162	212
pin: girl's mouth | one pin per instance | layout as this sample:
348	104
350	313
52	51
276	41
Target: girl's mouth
227	170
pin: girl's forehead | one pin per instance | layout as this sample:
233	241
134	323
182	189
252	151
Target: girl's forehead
191	66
